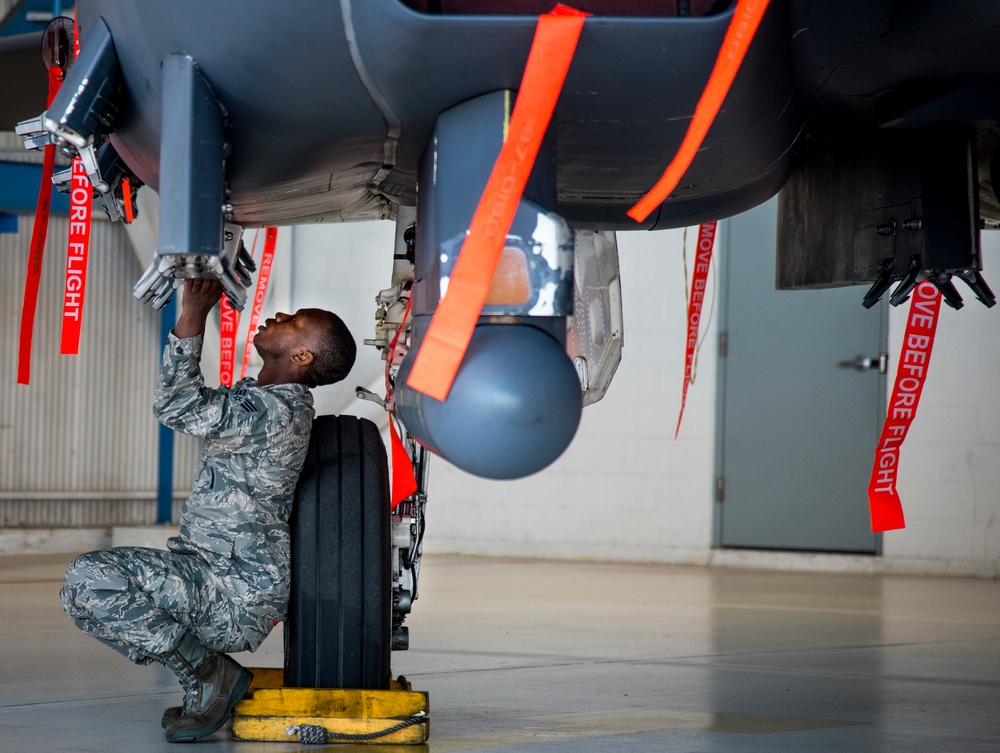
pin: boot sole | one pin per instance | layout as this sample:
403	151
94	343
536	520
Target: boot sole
239	690
171	718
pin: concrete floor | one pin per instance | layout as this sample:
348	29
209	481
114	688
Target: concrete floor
565	656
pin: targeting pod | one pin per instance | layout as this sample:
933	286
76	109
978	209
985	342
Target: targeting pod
516	401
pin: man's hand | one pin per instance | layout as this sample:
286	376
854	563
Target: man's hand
200	297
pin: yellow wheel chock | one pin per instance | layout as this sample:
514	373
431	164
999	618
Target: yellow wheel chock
273	713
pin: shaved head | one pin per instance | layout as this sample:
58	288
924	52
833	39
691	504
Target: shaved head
334	351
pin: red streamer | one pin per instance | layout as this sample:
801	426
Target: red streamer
703	260
81	213
37	250
914	360
229	322
127	201
404	481
263	277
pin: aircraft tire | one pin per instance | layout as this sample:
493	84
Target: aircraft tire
338	630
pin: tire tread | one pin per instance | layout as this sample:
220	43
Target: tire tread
338	630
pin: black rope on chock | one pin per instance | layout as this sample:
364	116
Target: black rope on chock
313	734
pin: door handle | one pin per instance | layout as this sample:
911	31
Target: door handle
867	363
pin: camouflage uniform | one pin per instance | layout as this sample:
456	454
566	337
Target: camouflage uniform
226	576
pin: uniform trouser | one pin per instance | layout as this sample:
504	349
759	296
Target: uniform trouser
140	602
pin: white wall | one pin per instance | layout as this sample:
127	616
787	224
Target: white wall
626	490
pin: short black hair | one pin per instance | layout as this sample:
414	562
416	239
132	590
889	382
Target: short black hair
335	352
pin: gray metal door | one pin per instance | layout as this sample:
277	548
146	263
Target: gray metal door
797	427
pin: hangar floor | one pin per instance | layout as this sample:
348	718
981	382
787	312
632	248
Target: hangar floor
565	656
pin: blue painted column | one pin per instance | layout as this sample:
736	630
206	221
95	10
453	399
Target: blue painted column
165	456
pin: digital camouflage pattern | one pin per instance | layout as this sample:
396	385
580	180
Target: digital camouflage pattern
141	601
226	576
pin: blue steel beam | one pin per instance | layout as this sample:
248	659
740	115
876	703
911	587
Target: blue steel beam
165	455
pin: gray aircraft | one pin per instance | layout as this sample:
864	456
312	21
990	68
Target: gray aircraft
875	121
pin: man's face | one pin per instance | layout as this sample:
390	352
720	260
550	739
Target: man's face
286	332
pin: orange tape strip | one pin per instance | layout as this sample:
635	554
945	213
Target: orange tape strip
448	336
744	25
914	360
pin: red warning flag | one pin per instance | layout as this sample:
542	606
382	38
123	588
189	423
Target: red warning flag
263	278
703	260
127	201
37	249
229	322
404	480
81	213
914	360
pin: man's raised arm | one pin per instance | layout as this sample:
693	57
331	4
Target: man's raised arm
200	297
